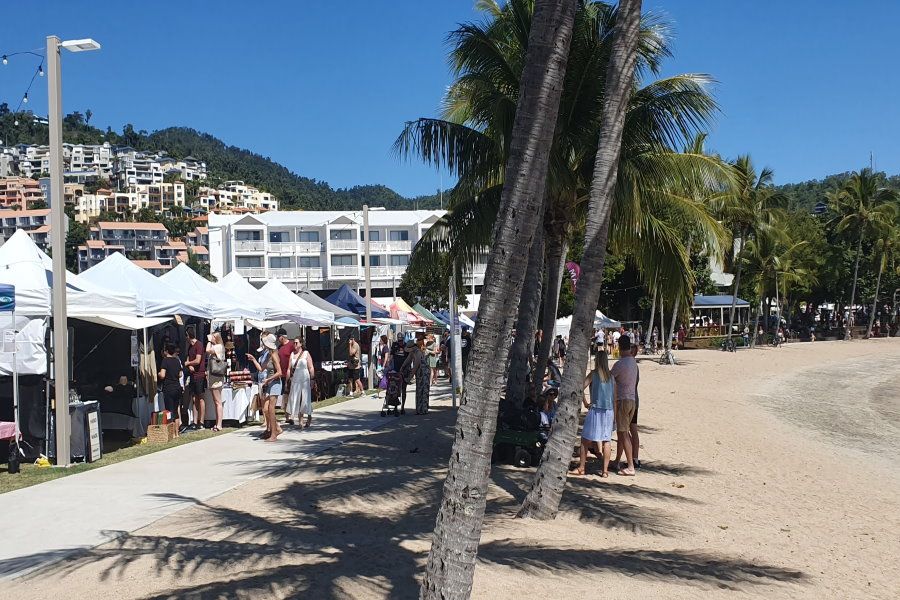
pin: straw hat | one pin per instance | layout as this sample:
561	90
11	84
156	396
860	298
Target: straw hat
269	341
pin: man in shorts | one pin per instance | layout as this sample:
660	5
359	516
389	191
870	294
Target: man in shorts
196	365
625	374
633	428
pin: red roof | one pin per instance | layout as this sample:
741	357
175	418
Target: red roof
117	225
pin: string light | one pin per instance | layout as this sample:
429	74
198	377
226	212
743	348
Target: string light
5	60
38	73
25	98
41	69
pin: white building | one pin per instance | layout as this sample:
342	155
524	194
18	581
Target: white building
319	249
235	196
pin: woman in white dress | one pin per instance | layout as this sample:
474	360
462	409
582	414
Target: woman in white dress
216	368
302	374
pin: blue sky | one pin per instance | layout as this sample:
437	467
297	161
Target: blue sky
806	87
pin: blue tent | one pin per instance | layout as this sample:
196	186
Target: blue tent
346	298
442	316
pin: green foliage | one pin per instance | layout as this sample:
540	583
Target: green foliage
198	267
431	286
77	236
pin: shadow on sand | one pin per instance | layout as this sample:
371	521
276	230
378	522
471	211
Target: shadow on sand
353	522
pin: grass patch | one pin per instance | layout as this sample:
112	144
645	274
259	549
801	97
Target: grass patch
116	449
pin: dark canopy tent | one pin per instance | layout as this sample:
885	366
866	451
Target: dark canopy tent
346	298
325	305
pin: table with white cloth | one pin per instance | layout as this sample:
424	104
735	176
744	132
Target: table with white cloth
235	403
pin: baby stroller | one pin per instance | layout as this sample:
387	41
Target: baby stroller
392	394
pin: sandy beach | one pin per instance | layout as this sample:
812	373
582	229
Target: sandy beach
770	473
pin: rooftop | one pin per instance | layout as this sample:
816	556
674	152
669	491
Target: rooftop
138	225
34	212
150	264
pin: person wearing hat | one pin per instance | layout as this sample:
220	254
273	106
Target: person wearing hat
285	349
417	363
270	385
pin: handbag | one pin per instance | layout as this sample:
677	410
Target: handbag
217	366
383	384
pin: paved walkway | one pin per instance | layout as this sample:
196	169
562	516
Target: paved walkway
46	522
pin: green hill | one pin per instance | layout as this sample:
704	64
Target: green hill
223	162
806	194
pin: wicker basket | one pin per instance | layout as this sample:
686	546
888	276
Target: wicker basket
161	434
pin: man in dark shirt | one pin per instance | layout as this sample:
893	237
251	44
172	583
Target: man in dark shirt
170	377
465	344
196	366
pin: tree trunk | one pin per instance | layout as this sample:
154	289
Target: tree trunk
457	530
669	355
753	339
543	500
526	323
875	299
557	248
652	316
737	282
847	325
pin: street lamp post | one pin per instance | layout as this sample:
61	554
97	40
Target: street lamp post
371	363
58	241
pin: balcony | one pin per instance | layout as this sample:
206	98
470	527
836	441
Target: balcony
343	245
391	271
249	245
295	247
351	271
308	247
252	272
299	274
391	246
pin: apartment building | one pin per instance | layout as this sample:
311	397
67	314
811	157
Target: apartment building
19	191
154	267
95	251
135	168
36	222
319	249
160	197
235	197
189	169
133	237
198	237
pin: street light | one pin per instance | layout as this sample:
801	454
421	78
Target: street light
58	241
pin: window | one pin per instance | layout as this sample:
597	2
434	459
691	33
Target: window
248	236
249	262
280	262
377	261
309	236
399	261
308	262
279	236
399	236
343	234
374	235
343	259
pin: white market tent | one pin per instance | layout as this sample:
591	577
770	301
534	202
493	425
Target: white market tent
156	298
30	270
601	321
300	311
221	304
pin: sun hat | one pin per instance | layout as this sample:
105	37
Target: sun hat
269	341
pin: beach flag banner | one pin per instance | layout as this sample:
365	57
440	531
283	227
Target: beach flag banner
574	272
7	298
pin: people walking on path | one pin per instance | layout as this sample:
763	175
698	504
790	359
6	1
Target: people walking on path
625	374
433	352
301	374
417	363
216	371
598	424
196	364
270	384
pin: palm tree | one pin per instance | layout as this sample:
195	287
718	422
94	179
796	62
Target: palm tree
471	141
885	253
748	206
451	561
543	500
864	209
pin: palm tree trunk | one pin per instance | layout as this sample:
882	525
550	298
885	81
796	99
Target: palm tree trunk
652	316
669	356
853	292
753	339
529	305
557	248
543	500
875	299
457	530
737	283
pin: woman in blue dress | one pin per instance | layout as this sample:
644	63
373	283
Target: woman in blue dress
598	424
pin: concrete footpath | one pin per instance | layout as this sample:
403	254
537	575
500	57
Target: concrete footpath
46	522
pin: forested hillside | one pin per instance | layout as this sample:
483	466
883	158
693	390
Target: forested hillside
806	194
224	162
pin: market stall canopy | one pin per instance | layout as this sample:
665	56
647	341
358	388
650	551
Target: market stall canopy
301	311
717	302
239	287
402	311
353	302
601	321
156	298
464	321
27	267
221	304
427	314
441	316
325	305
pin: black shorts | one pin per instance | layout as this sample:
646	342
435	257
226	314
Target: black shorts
197	387
172	401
